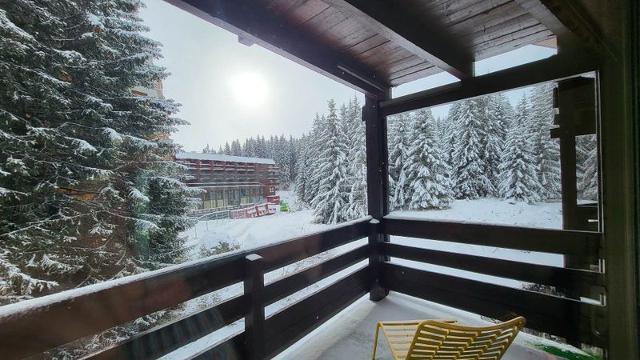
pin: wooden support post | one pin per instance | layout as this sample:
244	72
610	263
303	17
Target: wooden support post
575	99
377	189
254	320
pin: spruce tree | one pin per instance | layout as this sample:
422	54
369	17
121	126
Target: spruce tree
587	161
236	149
499	114
425	171
315	144
400	143
357	157
330	202
469	134
519	175
546	149
85	173
303	172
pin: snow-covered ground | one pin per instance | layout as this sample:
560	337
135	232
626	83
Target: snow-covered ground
251	233
488	211
256	232
495	211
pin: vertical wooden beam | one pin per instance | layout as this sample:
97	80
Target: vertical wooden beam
634	40
254	320
619	164
377	189
575	99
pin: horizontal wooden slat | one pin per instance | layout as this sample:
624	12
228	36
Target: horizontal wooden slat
552	68
290	251
292	283
110	304
294	322
567	318
568	242
161	340
562	278
230	349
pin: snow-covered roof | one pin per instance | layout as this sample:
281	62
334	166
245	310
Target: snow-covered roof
222	157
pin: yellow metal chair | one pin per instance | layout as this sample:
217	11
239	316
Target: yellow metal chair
443	339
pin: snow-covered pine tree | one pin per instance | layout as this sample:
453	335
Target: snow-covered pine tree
519	175
357	157
236	148
425	171
401	138
449	140
546	149
587	162
292	158
469	133
499	114
84	173
314	144
304	170
330	203
227	148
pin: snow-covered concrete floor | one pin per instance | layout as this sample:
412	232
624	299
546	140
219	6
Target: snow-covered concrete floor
349	335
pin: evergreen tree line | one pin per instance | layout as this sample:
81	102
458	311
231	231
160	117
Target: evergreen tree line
88	191
484	148
284	151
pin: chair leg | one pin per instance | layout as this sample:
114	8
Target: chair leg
375	342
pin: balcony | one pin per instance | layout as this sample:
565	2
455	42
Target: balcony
366	271
371	280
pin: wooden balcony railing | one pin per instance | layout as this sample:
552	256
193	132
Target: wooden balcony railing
576	321
27	329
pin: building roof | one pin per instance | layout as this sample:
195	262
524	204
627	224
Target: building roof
222	157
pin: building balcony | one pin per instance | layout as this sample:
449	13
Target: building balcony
360	283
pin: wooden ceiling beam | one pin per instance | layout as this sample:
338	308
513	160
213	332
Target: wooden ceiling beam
422	35
549	69
253	22
569	21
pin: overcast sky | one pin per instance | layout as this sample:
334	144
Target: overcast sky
212	75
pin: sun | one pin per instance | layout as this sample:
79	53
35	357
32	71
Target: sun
249	89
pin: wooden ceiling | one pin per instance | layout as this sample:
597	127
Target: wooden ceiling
472	29
372	45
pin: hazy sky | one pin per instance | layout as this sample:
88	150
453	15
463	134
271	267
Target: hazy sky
229	90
